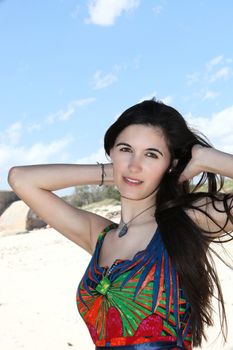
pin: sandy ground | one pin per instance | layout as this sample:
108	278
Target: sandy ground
39	273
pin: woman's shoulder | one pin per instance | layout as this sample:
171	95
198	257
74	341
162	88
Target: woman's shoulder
99	226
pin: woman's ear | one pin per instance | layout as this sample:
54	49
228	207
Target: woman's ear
108	157
173	165
111	154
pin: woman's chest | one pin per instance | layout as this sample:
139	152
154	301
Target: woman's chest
125	248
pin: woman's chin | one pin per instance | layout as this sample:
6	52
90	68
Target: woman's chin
134	196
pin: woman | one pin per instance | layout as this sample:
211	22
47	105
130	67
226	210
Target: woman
150	280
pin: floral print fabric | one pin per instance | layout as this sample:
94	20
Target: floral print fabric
134	301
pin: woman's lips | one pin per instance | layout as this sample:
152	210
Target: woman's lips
131	181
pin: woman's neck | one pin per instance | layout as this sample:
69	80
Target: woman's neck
131	208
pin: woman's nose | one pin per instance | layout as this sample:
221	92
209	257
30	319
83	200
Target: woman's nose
135	164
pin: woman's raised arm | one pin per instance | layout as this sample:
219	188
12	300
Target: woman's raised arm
34	185
209	160
213	161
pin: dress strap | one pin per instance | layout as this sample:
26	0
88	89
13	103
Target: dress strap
102	235
108	228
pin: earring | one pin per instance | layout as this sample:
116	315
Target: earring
170	170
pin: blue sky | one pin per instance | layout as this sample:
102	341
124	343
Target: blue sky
69	68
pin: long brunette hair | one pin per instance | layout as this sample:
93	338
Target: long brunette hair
186	243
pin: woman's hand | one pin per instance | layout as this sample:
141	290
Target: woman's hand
195	165
209	160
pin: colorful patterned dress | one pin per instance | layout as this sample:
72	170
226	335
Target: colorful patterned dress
134	301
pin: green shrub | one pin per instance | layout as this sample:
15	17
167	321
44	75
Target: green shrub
84	195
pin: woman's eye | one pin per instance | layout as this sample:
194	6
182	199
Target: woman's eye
125	149
151	155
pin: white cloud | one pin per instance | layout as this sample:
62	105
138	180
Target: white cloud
210	95
42	153
11	155
167	100
105	12
218	128
12	134
98	156
33	126
214	61
66	114
118	67
101	81
216	69
38	153
223	73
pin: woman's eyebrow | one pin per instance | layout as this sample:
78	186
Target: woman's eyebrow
123	144
148	149
155	150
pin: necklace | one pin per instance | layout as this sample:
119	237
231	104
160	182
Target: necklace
124	228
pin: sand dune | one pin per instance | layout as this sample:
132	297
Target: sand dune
40	272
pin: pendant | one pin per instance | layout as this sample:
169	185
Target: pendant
103	286
123	231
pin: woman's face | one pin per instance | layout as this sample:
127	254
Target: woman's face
140	158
